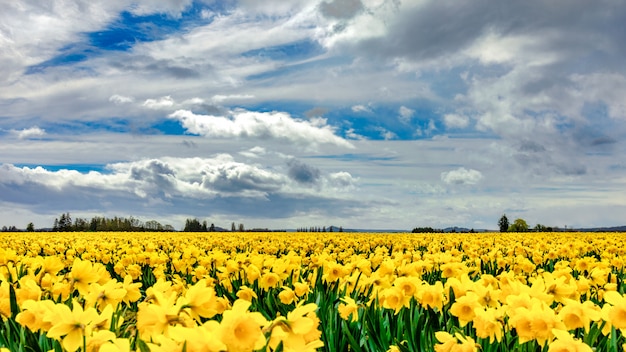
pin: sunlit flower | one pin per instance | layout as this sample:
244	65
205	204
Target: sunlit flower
463	308
82	275
70	325
241	330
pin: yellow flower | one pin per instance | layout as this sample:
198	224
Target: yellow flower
431	296
566	343
287	296
82	275
155	318
456	343
28	290
246	293
394	298
72	325
298	331
133	293
116	345
241	330
32	314
488	323
201	301
348	308
101	296
575	314
536	323
269	280
333	271
5	301
199	338
464	306
408	285
301	288
615	311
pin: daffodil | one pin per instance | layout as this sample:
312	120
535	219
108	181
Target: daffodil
348	309
463	308
240	330
70	326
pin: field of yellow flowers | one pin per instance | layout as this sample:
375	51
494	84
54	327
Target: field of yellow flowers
312	292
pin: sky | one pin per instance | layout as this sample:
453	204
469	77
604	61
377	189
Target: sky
367	114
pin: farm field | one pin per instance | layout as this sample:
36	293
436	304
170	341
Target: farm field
312	292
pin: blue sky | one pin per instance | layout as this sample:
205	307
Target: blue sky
357	113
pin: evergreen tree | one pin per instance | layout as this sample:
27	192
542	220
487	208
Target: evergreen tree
503	223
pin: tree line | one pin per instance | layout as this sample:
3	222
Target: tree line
65	223
520	225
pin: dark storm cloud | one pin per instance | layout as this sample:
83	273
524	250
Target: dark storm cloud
303	173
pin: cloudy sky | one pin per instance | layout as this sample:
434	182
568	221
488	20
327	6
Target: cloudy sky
381	114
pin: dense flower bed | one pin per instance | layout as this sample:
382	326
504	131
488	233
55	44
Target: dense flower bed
309	292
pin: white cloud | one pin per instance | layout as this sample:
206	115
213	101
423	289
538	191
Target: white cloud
386	134
462	176
158	104
254	152
222	98
455	121
272	125
405	114
351	134
27	133
120	99
361	108
428	130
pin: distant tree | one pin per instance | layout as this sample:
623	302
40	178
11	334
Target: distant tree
212	228
504	223
340	228
153	225
30	227
241	228
192	225
204	226
540	228
519	225
233	228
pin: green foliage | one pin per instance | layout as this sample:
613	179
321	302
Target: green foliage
519	225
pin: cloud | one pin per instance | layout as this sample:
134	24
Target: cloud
342	181
303	173
342	9
405	114
386	134
428	130
27	133
361	108
455	121
158	104
462	176
120	99
271	125
254	152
